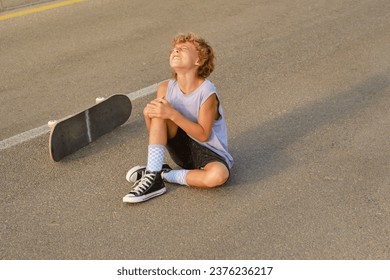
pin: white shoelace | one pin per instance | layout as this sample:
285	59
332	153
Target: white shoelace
143	184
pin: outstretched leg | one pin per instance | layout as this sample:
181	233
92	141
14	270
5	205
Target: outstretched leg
214	174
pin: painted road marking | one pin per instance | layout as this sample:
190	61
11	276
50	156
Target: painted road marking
39	131
23	137
39	9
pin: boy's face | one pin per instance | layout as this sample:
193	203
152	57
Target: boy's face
184	55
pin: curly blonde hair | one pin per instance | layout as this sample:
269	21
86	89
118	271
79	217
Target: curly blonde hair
205	53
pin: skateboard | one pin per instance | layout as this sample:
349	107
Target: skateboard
77	131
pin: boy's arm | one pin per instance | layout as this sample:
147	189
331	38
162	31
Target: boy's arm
162	89
201	131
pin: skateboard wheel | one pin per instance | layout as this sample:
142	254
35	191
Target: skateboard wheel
99	99
51	123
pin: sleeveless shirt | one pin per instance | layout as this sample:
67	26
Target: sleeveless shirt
189	105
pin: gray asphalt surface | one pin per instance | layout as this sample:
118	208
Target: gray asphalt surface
305	87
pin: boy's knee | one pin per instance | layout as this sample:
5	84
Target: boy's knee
217	179
222	179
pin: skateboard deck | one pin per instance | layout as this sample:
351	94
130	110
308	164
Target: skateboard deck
75	132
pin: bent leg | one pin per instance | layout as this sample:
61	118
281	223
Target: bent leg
213	175
160	130
158	133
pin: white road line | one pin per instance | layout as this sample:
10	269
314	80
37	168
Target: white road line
143	92
23	137
36	132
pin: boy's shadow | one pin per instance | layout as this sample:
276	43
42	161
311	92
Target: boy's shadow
260	152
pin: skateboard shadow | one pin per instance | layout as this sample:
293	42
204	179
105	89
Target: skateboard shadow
260	153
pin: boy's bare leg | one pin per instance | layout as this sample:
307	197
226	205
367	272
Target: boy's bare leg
162	130
213	175
158	132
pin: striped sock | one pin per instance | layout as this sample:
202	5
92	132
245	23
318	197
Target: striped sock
155	157
176	176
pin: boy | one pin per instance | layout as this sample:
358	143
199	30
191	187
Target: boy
187	119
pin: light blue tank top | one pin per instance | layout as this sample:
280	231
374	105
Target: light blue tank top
189	104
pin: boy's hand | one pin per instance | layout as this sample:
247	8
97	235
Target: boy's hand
160	108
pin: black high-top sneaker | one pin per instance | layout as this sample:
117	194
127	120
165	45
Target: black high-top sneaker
136	173
150	185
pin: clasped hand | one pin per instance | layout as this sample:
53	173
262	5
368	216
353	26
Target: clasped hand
159	108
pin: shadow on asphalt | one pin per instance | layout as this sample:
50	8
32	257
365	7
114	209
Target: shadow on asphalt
259	153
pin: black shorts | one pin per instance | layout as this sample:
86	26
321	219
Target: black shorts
189	154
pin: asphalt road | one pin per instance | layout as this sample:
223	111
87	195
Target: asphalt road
305	87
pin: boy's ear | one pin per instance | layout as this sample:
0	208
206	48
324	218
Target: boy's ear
199	62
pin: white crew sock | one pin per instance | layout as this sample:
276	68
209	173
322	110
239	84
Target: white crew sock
176	176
